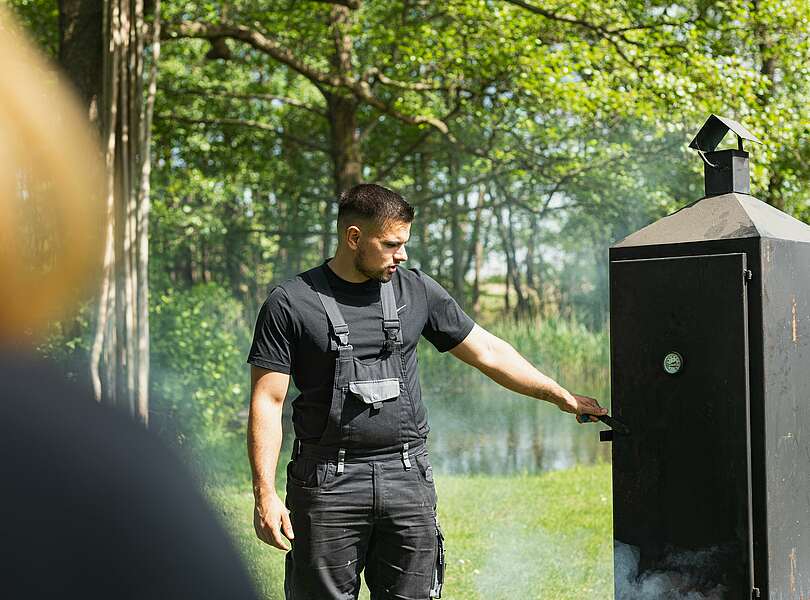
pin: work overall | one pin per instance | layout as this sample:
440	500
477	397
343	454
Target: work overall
363	496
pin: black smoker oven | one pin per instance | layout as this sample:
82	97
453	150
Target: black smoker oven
710	372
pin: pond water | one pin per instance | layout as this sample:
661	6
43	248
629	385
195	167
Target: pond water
483	428
478	427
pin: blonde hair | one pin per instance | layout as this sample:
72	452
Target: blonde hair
51	191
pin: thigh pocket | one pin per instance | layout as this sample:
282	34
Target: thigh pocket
425	470
307	473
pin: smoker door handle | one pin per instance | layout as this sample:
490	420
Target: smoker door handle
606	435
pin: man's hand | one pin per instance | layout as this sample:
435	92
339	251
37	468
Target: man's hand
270	519
580	405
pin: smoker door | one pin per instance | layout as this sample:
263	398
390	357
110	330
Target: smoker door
681	479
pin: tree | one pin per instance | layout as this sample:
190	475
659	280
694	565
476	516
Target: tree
350	76
81	50
114	96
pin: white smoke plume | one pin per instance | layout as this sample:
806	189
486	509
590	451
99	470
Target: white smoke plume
677	578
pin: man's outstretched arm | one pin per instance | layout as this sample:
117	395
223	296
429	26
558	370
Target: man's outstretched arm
270	517
499	361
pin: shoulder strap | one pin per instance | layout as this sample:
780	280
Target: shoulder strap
391	323
327	297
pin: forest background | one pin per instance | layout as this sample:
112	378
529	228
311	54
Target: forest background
528	136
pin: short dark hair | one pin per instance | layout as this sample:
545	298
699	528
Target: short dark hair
372	202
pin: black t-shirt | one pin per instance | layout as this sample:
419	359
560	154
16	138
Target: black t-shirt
292	334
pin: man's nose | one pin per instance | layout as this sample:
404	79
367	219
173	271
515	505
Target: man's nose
401	255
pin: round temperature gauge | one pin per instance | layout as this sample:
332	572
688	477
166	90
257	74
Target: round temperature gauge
673	363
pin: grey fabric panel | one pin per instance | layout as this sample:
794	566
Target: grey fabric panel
375	390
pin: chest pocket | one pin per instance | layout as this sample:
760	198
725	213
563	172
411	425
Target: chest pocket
375	391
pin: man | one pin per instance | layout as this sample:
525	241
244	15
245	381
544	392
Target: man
360	487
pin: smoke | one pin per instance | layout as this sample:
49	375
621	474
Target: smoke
680	576
527	561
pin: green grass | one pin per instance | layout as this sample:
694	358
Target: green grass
546	536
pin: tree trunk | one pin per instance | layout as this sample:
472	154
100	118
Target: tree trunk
456	258
342	113
81	56
475	235
456	204
533	260
477	252
506	304
513	273
346	160
299	241
419	232
438	253
81	50
120	353
233	247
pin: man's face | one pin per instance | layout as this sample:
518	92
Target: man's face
379	252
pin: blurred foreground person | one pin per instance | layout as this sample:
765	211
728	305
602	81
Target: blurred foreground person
92	505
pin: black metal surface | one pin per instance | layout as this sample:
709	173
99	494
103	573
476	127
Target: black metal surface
785	429
662	287
715	129
681	480
779	379
713	220
620	428
751	246
725	172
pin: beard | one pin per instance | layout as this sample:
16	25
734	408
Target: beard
361	264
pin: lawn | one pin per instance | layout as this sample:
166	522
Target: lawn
543	536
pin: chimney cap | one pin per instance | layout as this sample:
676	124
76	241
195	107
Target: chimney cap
715	129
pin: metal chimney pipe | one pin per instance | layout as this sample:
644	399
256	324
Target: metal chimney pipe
724	171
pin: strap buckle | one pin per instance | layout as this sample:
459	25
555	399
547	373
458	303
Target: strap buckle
341	461
406	459
391	334
342	333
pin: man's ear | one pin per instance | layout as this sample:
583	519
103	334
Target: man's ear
352	236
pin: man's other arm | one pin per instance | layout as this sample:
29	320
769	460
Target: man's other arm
270	517
499	361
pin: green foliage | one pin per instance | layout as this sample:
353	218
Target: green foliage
572	121
199	343
41	20
576	118
565	350
67	342
560	346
